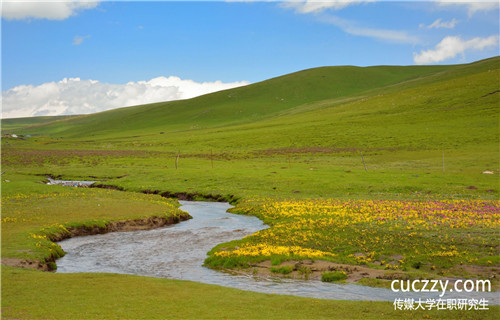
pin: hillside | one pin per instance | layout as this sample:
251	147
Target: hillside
9	125
342	107
240	105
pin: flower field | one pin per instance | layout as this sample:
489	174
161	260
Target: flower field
430	235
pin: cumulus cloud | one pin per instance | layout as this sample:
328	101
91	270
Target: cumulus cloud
51	10
450	47
441	24
76	96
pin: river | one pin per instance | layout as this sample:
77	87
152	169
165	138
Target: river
178	251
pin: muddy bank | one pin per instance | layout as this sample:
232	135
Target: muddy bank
313	269
193	196
187	196
121	226
27	264
106	186
147	223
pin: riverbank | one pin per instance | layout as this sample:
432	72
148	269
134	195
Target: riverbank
49	264
313	270
35	216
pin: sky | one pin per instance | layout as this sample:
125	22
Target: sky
79	57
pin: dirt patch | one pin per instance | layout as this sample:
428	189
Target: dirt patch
480	272
317	150
22	263
11	156
312	270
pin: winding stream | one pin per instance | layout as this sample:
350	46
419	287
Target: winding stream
178	251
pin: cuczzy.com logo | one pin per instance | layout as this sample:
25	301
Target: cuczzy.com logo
440	286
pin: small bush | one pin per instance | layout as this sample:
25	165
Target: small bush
52	266
282	270
305	271
276	260
226	262
333	276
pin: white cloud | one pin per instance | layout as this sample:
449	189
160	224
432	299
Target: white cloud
352	27
318	6
315	6
78	40
441	24
472	6
51	10
76	96
450	47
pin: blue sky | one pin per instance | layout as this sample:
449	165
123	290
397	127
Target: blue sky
72	57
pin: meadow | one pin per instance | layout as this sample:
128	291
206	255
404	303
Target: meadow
411	239
380	168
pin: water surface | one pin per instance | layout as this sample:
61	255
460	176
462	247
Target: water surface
71	183
178	251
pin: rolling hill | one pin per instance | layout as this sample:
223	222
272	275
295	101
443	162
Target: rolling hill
241	105
384	107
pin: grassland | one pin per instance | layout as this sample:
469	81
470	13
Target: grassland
104	296
33	216
316	138
396	239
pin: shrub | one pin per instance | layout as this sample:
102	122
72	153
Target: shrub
282	270
305	271
333	276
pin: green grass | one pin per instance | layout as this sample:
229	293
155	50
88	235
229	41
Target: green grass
240	105
33	213
312	146
307	135
28	294
10	125
282	270
415	239
332	276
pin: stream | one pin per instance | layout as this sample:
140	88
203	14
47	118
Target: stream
178	251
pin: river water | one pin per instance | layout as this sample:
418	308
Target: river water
71	183
178	251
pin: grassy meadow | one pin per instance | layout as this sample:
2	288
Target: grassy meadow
406	238
380	167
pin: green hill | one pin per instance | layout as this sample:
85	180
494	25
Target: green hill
315	122
363	136
9	125
347	107
241	105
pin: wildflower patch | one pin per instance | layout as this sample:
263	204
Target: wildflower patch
429	236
